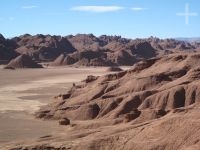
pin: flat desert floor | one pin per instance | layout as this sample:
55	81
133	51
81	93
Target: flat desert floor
23	91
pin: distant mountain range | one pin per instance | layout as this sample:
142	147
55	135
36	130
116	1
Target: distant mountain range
89	50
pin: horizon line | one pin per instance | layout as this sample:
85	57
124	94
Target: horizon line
126	37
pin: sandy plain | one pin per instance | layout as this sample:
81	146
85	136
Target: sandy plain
23	91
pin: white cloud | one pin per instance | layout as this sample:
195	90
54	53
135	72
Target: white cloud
29	7
138	8
98	9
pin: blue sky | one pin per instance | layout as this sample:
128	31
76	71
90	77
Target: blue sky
128	18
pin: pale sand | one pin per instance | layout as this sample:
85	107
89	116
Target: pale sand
22	92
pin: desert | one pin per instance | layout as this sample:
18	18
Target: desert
104	109
99	75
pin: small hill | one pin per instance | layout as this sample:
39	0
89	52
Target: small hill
84	58
22	61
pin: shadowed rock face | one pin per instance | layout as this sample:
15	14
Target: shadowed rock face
143	49
7	48
22	61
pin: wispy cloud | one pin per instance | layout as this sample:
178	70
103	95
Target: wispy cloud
138	8
98	9
29	7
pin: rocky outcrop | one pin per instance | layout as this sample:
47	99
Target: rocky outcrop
64	121
22	61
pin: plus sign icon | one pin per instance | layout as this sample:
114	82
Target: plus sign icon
187	14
